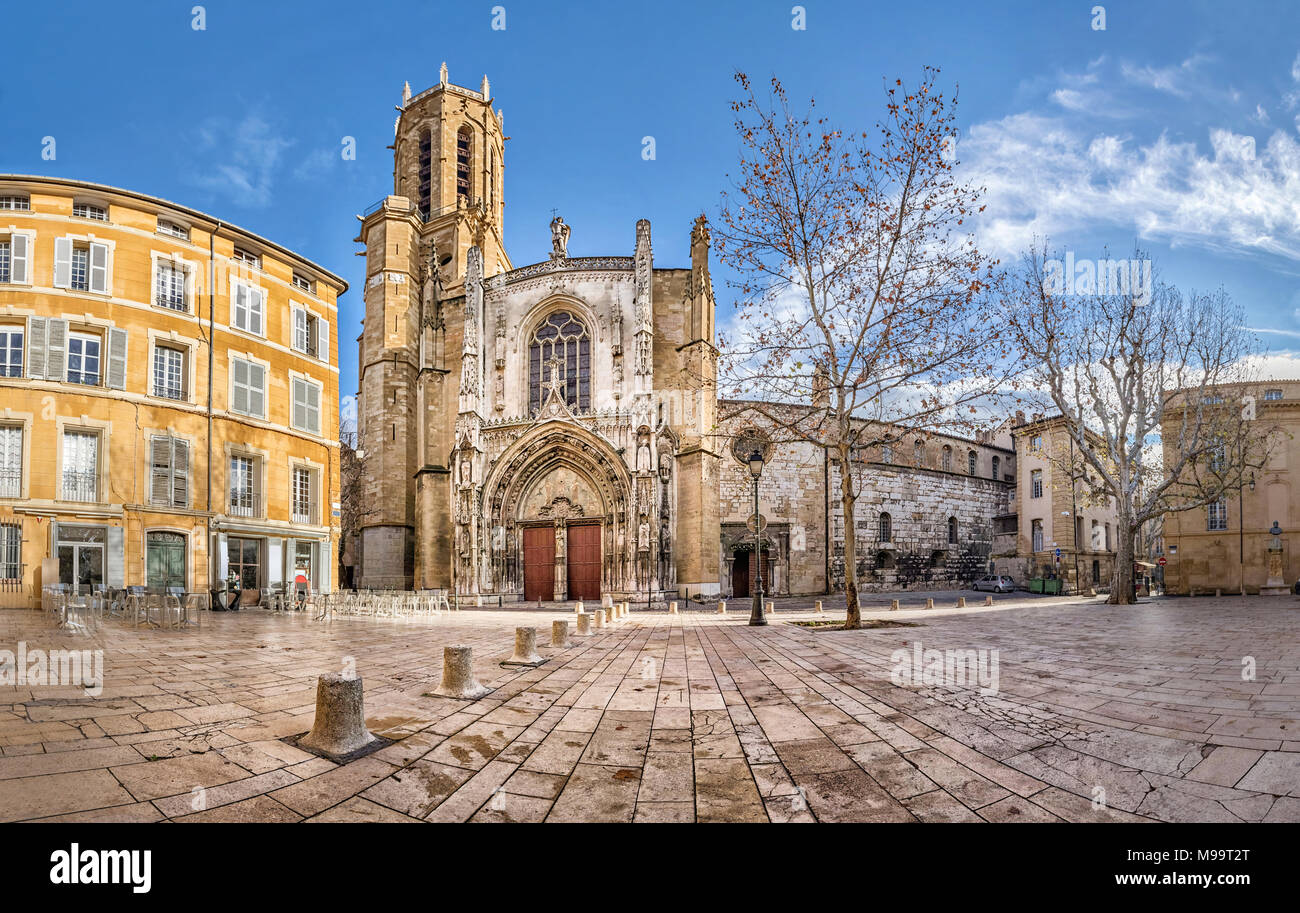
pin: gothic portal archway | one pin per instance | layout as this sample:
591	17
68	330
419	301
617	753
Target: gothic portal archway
558	506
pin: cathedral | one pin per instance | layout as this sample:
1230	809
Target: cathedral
543	432
553	431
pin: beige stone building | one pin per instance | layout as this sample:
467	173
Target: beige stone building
133	451
1224	545
1055	528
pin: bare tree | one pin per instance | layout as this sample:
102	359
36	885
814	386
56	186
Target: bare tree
352	506
1155	389
866	309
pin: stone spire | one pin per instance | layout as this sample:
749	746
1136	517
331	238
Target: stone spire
442	74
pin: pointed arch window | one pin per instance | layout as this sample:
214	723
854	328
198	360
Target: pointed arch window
952	530
886	528
464	156
426	173
562	342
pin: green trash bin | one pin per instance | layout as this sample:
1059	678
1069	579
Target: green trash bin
1052	587
1036	585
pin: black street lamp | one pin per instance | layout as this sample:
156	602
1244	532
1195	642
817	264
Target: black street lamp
756	616
1241	532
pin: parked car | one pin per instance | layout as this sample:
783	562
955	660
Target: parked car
998	583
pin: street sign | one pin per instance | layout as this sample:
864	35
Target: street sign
1161	561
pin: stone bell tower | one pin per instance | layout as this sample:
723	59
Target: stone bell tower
448	164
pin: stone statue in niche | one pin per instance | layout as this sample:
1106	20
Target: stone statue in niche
643	535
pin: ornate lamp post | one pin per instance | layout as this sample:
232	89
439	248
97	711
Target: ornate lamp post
756	616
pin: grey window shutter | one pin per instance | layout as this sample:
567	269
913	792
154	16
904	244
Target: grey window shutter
36	333
117	358
160	459
115	559
257	390
239	386
18	248
299	419
62	262
56	349
323	339
313	408
180	473
99	268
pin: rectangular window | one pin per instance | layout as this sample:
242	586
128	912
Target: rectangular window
11	461
169	472
1272	395
247	388
302	282
16	202
243	491
970	463
11	352
1218	515
11	551
247	258
80	269
1036	483
306	406
169	285
6	260
169	372
311	334
83	359
303	504
1036	442
1037	532
80	466
166	227
246	307
90	211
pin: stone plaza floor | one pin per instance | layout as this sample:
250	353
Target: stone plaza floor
1136	713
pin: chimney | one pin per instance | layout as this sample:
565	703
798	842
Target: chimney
821	388
1020	416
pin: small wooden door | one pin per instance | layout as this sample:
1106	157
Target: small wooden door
742	574
584	562
539	563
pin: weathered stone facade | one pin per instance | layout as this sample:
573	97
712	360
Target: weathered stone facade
552	432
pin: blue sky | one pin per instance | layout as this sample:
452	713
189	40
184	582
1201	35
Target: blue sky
1177	126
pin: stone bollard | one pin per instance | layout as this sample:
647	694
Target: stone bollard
458	679
1218	593
577	607
771	608
340	724
606	601
820	609
722	607
893	605
988	600
929	602
961	602
584	626
560	633
624	609
672	608
598	617
525	649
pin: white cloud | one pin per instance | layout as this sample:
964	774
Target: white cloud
348	412
242	158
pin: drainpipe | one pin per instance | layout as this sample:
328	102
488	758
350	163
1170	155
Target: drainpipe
212	282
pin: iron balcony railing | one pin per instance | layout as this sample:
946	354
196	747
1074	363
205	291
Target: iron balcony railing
80	485
304	512
11	483
244	503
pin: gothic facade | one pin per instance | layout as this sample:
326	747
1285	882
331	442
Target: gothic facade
552	431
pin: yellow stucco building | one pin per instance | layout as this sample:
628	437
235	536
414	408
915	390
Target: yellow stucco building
134	451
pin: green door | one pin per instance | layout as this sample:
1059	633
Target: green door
165	561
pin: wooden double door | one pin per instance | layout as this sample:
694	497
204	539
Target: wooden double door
582	559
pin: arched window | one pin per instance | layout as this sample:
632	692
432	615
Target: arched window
886	453
952	530
947	458
560	341
426	173
464	155
886	528
918	453
996	465
971	466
